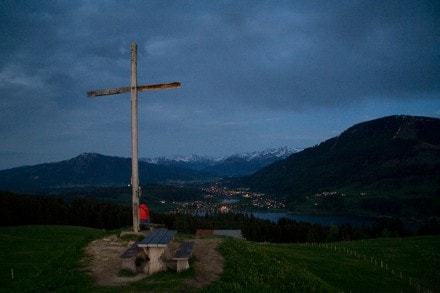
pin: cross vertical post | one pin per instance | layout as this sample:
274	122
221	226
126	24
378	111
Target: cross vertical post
135	192
133	89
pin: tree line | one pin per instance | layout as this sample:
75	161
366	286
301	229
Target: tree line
288	230
54	210
80	211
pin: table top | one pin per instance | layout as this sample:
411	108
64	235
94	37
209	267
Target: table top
158	238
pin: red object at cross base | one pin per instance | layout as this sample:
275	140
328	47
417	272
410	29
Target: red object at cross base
144	212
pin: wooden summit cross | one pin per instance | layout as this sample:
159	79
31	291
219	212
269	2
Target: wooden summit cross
133	89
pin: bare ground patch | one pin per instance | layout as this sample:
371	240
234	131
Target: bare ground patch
103	261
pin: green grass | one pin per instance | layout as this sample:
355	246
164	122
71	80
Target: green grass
417	258
379	265
47	258
43	258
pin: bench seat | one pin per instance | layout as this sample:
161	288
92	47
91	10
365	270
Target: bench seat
182	254
128	258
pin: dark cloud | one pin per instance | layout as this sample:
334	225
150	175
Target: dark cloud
251	72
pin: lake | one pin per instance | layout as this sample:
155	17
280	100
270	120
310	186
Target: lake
354	221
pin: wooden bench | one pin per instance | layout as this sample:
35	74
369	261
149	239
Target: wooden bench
155	246
183	253
128	258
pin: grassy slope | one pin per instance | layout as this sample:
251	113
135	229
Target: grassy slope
46	258
360	266
43	258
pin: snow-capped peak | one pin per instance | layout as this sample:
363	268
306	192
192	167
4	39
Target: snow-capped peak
280	153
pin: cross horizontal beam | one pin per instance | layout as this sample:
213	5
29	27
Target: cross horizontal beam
127	89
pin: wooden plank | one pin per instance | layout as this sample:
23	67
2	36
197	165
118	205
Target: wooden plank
158	238
184	251
108	92
153	237
127	89
158	86
131	252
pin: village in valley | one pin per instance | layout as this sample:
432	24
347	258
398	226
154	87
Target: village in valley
218	198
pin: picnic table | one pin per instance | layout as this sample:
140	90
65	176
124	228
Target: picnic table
154	246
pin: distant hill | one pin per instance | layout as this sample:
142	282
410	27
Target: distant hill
387	166
91	169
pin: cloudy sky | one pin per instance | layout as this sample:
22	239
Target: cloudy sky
254	74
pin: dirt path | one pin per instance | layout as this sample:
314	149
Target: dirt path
103	261
104	264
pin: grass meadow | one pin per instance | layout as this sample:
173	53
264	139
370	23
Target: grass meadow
43	258
47	258
379	265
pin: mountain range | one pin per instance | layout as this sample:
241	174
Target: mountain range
227	166
387	166
91	169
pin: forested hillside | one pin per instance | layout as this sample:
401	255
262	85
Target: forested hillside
18	210
388	166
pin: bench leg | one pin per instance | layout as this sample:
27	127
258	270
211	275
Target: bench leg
132	264
155	264
182	264
129	264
